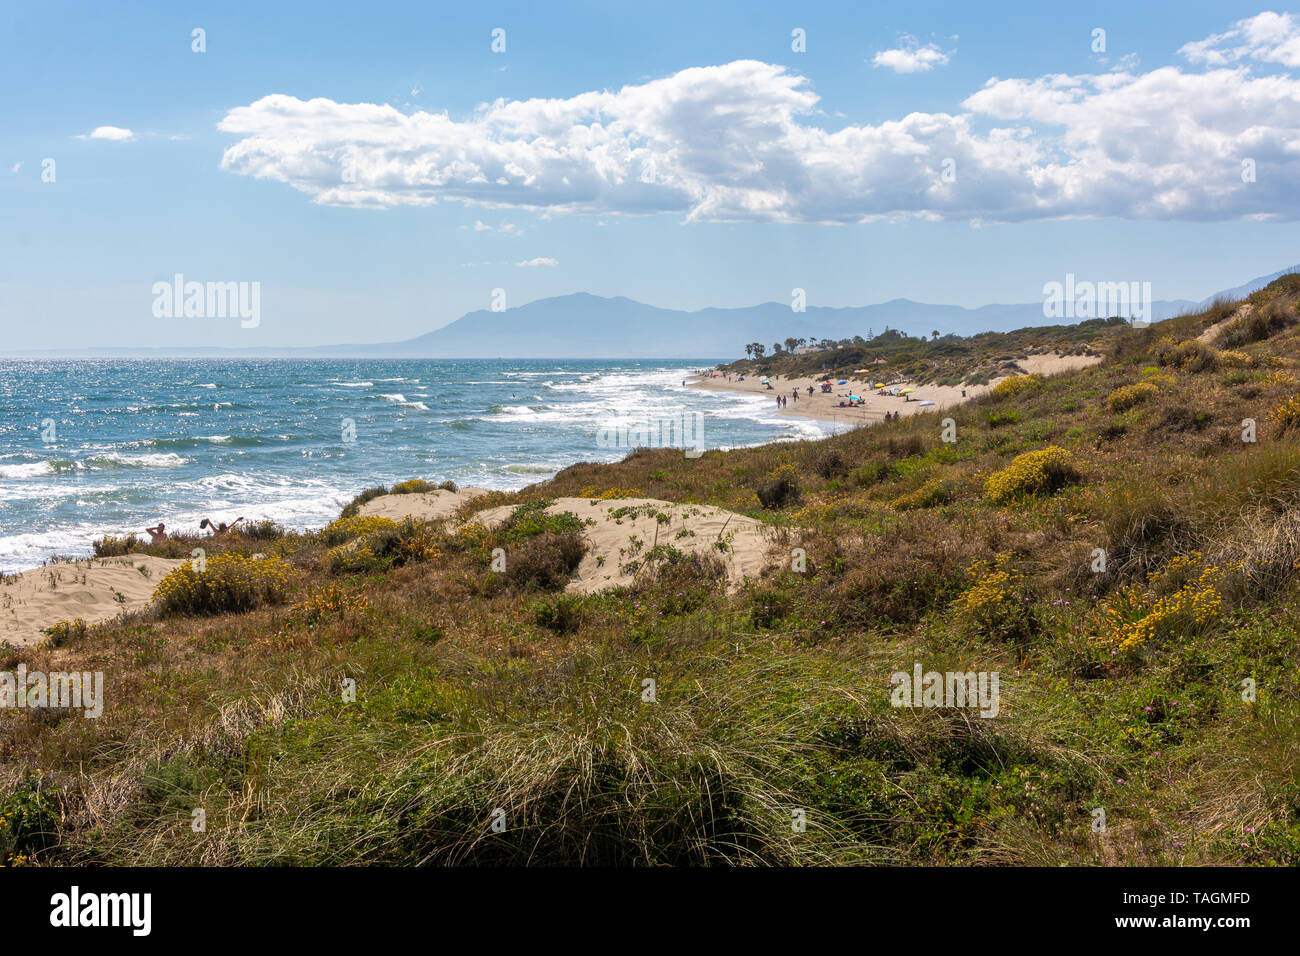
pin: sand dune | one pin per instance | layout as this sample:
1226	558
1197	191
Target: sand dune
693	529
425	506
825	407
95	590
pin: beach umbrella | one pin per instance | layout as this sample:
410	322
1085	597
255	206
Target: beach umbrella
907	390
843	381
854	398
879	385
922	404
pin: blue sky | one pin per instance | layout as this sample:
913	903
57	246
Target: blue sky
271	157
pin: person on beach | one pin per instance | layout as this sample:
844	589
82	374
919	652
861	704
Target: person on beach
796	394
157	534
218	529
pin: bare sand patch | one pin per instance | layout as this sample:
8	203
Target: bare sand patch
620	532
95	589
1210	335
422	506
826	406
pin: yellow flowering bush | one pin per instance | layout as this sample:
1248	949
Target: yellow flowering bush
1157	376
936	491
342	530
609	494
1180	600
1287	415
1190	355
995	606
1035	472
390	543
228	582
329	601
1235	358
63	632
1017	384
1126	396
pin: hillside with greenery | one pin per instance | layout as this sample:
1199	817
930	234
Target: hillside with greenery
1110	541
942	360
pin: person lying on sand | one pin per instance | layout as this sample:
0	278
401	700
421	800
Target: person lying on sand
157	534
218	529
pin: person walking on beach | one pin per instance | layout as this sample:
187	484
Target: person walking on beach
157	534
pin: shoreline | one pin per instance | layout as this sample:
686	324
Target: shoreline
823	407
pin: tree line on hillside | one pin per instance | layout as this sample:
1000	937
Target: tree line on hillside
757	350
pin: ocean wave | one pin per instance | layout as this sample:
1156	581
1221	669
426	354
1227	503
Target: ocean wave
155	460
29	470
52	466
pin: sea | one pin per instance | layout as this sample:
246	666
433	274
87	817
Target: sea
94	447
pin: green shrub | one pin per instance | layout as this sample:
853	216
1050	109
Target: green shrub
414	486
543	561
531	519
780	488
353	507
113	547
561	613
29	822
263	531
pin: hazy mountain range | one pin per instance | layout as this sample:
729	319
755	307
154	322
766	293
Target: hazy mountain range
588	326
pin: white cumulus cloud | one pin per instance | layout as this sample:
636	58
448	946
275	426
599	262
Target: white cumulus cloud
540	261
112	133
740	142
1268	37
912	57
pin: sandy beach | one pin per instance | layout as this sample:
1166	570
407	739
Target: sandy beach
613	528
826	407
94	590
423	506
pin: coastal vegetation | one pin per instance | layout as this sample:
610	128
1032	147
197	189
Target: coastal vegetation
941	360
1120	543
